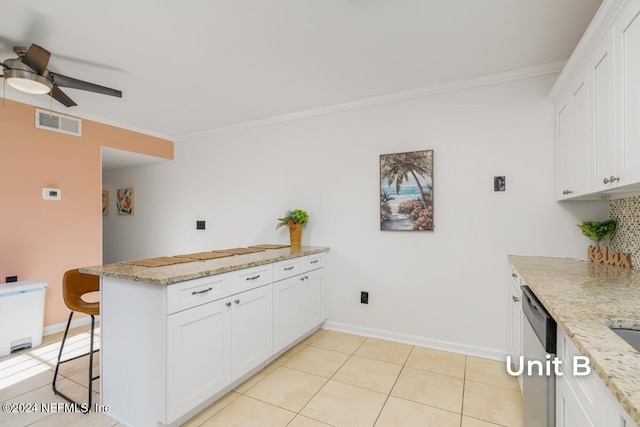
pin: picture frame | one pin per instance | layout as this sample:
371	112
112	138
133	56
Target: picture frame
105	202
125	201
406	191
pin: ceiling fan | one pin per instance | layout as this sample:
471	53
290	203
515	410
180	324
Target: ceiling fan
28	73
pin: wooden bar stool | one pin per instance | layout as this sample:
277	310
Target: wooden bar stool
74	286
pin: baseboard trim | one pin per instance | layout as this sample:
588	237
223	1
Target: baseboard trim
470	350
59	327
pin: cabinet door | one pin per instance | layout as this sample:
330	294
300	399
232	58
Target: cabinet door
516	325
614	414
627	35
573	141
286	313
198	356
569	411
251	330
602	143
311	300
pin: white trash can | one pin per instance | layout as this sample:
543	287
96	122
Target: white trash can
21	315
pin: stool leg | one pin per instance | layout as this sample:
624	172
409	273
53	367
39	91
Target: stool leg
91	362
64	338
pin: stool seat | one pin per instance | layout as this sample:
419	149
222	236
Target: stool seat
74	286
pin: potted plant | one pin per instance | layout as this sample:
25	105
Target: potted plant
294	219
597	230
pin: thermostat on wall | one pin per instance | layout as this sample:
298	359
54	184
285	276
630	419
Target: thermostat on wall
51	193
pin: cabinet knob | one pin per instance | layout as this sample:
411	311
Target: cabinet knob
514	275
515	298
565	192
611	179
228	304
237	301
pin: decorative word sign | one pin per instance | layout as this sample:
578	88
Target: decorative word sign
614	258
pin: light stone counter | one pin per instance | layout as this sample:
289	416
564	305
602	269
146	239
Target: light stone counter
196	269
584	298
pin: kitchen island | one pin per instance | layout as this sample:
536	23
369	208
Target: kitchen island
585	299
176	338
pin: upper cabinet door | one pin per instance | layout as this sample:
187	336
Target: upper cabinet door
600	66
627	42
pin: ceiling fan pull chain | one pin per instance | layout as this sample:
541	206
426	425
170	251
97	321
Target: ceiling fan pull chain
51	104
4	92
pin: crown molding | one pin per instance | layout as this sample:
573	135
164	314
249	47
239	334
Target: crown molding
489	79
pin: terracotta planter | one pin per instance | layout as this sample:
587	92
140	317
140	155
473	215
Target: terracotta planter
295	235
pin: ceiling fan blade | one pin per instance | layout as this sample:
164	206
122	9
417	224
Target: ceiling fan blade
62	97
65	81
37	58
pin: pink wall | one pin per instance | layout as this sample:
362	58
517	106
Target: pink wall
41	239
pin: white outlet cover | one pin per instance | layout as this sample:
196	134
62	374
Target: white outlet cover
51	193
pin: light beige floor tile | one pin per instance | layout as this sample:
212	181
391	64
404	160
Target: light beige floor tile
429	388
368	373
78	370
400	412
341	404
490	372
287	388
339	341
75	419
211	410
385	351
242	388
474	422
317	361
441	362
248	412
311	338
494	404
25	381
289	354
301	421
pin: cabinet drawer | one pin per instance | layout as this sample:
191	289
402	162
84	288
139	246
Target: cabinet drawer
249	278
292	267
184	295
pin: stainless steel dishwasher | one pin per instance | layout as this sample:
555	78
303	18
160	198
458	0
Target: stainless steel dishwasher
538	341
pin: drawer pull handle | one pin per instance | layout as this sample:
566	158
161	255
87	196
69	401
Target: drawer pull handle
289	268
237	301
228	304
253	278
204	291
304	278
514	275
515	298
314	261
611	180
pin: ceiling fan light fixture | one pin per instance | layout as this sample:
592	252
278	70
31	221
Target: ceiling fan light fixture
28	82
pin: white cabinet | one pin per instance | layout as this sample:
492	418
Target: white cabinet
572	135
584	400
198	356
600	86
627	45
516	321
298	301
250	330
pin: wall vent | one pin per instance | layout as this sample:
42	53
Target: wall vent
58	123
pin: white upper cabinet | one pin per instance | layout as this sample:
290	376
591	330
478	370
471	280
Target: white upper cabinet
627	48
597	99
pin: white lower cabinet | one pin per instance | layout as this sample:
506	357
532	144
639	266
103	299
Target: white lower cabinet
168	351
516	321
198	355
584	400
298	307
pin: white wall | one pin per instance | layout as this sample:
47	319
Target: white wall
447	288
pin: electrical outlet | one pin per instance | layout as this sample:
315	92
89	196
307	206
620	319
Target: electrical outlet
364	297
499	183
200	225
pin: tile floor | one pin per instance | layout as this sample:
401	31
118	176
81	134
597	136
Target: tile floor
329	379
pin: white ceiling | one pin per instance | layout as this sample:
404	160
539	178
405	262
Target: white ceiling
196	65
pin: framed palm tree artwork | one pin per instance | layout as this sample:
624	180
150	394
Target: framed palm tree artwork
406	191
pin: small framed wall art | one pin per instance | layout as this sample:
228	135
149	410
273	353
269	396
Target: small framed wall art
105	202
125	201
406	191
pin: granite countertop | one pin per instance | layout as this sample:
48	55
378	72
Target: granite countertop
584	298
193	270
